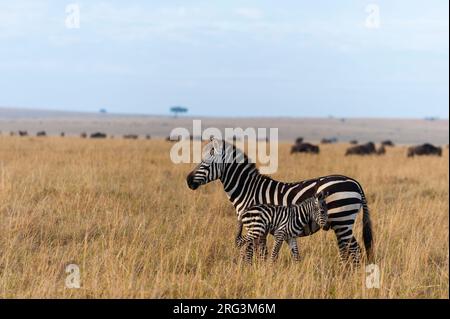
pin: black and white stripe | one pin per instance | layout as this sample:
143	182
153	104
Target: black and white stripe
245	187
286	223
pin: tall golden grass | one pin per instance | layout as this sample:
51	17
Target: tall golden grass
121	211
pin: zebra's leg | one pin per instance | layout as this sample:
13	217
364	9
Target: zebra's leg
239	240
354	251
247	252
350	253
292	242
348	246
262	247
349	250
279	238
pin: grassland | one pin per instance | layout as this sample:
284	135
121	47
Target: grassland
121	211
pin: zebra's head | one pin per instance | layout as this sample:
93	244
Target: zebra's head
211	166
320	214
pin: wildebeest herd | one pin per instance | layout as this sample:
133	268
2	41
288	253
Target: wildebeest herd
96	135
368	148
300	146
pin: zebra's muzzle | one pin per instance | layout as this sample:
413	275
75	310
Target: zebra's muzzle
191	183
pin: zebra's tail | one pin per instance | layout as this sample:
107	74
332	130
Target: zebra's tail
367	229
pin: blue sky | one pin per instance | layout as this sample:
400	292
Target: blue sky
228	58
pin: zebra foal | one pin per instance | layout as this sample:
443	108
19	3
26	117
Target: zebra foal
285	223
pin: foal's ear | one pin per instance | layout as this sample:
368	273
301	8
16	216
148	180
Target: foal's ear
322	195
319	196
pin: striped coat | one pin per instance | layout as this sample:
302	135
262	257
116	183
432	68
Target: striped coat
246	186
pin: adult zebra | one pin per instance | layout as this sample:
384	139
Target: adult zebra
246	186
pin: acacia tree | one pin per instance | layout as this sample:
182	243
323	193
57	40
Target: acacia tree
178	110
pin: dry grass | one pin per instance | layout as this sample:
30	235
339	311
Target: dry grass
122	211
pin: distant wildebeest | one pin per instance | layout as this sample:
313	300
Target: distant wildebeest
299	140
98	135
424	149
62	134
83	135
381	150
364	149
305	148
387	143
131	137
329	140
23	133
174	138
148	137
41	134
353	142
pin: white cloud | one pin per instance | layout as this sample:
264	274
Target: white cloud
250	13
18	18
205	25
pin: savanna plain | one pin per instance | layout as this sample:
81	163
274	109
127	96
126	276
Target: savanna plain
122	212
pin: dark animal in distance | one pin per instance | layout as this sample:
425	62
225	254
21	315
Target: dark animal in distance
174	138
424	149
387	143
305	148
98	135
83	135
353	142
23	133
329	140
381	150
41	134
299	140
364	149
131	137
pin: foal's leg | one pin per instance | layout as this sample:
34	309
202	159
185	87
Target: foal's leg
247	252
262	247
292	242
279	238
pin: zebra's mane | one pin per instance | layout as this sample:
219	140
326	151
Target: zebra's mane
239	154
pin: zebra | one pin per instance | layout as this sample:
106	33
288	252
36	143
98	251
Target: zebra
245	186
284	222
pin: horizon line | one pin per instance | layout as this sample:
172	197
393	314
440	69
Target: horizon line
187	116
